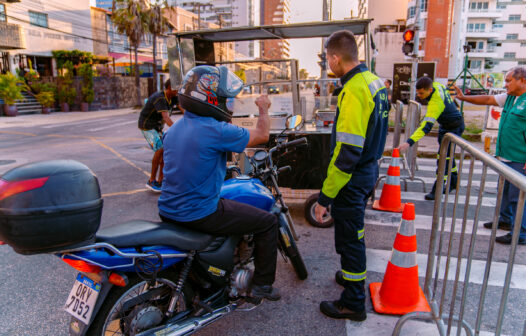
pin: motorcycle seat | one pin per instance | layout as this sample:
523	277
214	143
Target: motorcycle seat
144	233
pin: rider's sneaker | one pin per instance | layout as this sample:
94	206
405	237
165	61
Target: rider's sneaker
153	186
264	292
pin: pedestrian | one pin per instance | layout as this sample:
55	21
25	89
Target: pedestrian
357	143
195	159
388	83
154	114
511	144
441	109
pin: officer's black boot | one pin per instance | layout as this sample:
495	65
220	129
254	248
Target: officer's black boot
431	195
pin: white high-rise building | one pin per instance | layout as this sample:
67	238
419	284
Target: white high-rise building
495	32
226	13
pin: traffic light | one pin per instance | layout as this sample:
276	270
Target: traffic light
409	45
323	60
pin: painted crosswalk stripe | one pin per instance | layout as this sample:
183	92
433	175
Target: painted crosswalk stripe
463	182
419	196
422	222
377	262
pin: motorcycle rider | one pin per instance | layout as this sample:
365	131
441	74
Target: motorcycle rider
195	155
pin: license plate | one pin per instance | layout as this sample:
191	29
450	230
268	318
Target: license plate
82	298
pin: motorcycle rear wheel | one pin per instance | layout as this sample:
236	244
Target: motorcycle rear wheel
288	246
111	320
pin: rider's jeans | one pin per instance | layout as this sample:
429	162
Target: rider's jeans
234	218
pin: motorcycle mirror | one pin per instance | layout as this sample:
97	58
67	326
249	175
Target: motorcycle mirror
293	121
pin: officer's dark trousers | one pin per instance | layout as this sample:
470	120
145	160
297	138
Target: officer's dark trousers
348	211
449	156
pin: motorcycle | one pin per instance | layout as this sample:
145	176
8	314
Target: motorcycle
140	277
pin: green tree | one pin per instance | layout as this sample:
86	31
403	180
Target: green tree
157	25
130	19
304	74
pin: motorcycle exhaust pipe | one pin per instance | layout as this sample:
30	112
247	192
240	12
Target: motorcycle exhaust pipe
191	325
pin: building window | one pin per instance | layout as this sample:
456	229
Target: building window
501	6
514	17
509	55
522	62
523	44
411	12
479	6
423	6
38	19
512	36
476	27
472	64
497	25
2	13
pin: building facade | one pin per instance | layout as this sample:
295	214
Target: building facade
275	12
387	27
35	28
99	24
491	32
226	13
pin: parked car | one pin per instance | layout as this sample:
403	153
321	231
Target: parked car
273	90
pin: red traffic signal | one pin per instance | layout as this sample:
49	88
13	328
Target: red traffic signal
408	35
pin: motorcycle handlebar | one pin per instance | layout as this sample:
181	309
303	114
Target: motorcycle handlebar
300	141
284	169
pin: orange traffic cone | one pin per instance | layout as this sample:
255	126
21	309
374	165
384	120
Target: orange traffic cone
391	198
400	292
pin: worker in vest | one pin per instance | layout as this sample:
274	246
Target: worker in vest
357	142
441	109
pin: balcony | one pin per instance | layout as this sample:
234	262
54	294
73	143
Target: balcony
483	14
490	34
11	36
482	53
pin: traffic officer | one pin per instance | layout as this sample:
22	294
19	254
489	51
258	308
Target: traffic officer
441	108
357	142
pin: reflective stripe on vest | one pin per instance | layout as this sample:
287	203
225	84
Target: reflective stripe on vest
361	233
375	85
351	139
403	259
433	120
349	276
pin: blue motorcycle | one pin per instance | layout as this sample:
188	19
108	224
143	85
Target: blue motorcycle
140	277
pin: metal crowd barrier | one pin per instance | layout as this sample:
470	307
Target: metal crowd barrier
448	310
409	160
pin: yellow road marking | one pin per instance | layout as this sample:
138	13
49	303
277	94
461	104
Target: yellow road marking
131	192
18	133
119	155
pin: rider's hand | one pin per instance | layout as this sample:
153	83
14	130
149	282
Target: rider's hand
460	95
263	102
403	147
319	212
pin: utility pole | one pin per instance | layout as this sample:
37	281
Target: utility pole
323	84
414	59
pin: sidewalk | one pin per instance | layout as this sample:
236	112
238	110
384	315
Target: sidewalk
58	117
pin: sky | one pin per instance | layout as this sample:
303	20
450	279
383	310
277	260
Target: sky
306	50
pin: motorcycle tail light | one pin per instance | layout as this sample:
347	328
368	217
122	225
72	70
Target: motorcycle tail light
10	188
118	279
82	266
2	243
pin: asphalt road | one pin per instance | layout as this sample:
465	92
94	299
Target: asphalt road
34	288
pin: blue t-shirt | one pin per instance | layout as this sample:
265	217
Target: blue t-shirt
195	152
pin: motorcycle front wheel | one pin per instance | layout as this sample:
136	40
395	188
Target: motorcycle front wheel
120	314
288	245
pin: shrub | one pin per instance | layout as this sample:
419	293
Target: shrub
11	88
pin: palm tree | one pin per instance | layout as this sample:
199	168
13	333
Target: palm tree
129	17
157	25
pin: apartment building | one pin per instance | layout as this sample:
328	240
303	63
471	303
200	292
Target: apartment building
495	32
35	28
226	13
275	12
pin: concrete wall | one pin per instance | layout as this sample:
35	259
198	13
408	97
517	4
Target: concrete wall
116	92
389	47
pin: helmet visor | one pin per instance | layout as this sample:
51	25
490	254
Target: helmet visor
229	84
